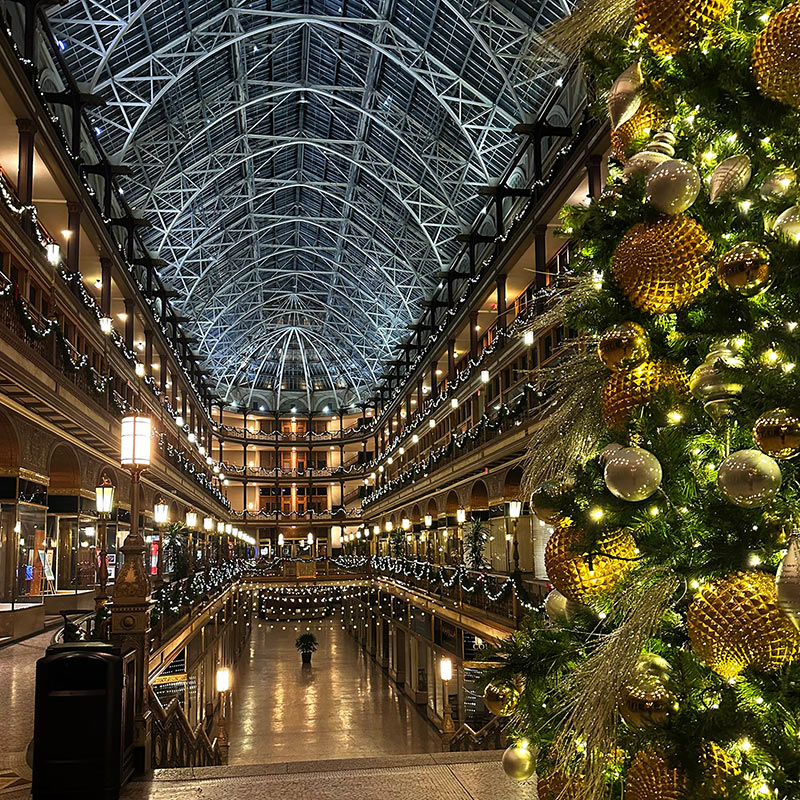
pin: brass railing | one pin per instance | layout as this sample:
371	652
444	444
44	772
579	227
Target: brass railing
491	736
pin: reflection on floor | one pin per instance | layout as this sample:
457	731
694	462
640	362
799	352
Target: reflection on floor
440	776
342	706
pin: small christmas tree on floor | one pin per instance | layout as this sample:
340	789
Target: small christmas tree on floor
666	664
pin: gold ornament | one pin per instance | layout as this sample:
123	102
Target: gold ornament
646	699
777	433
656	152
639	125
749	478
543	503
787	581
729	177
652	777
736	623
776	57
624	97
744	270
787	225
778	184
519	762
661	266
715	384
623	346
670	26
673	186
718	769
570	570
500	700
632	474
624	392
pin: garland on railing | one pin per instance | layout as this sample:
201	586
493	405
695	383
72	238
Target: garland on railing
264	514
177	458
508	411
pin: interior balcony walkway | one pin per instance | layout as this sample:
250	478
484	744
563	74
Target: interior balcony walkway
342	705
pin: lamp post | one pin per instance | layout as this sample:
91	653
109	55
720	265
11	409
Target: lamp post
461	518
104	502
161	518
514	511
132	580
191	525
223	687
446	673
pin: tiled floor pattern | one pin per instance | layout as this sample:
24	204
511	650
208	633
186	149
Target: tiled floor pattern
457	776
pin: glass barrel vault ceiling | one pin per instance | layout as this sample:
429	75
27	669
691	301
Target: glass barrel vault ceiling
306	165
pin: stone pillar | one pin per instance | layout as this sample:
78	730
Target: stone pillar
74	241
129	327
105	290
27	132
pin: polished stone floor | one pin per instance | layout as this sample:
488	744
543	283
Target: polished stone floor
17	681
441	776
341	706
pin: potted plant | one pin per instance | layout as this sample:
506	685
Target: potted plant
307	644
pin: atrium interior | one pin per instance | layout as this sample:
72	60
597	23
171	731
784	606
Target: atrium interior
398	399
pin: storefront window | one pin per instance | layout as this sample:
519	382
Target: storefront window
34	568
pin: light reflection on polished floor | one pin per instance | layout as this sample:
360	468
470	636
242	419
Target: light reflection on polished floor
342	706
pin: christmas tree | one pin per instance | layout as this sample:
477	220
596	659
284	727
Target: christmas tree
667	660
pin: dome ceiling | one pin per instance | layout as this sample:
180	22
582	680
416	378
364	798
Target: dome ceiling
306	165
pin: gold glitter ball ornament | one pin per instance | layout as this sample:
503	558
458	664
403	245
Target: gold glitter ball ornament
745	270
776	57
661	266
749	478
652	777
574	575
500	700
777	433
624	392
519	762
671	26
623	346
735	623
646	118
646	699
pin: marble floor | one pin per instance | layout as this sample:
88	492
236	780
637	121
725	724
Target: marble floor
17	681
341	706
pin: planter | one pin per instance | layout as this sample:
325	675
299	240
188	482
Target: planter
306	658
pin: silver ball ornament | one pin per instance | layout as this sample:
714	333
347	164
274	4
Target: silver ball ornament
749	478
673	186
778	184
608	452
519	762
633	474
787	225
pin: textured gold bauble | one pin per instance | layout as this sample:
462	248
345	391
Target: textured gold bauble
500	700
776	57
570	570
624	97
777	433
662	266
719	767
646	118
729	177
646	699
736	623
652	777
673	186
744	270
670	26
623	346
624	392
749	478
519	762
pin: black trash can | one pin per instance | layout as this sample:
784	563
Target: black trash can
77	736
